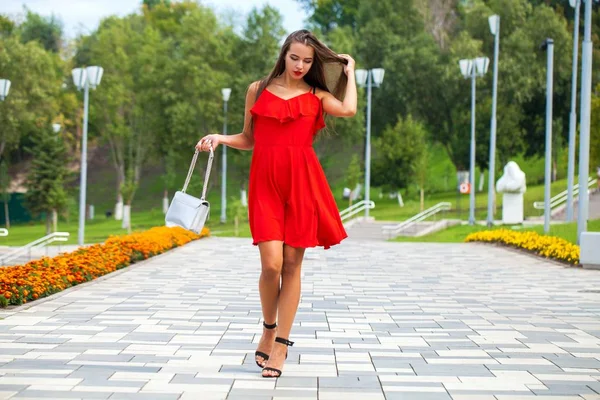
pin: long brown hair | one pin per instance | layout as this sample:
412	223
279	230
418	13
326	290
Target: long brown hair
326	73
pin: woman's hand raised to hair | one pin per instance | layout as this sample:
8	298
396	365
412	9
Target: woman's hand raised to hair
348	68
207	142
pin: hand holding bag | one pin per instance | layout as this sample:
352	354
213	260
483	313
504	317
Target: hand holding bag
188	211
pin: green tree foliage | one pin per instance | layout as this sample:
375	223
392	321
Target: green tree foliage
45	30
47	175
36	77
353	174
398	154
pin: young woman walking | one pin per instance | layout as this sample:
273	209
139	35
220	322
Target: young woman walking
290	204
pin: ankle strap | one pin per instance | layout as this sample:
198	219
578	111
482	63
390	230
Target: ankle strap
272	326
284	341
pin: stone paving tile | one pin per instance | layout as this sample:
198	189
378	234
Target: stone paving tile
376	321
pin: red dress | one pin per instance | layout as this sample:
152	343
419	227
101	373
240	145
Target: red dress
289	198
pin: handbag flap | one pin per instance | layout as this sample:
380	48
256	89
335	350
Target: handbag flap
188	200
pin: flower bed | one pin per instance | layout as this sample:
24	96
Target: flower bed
22	283
547	246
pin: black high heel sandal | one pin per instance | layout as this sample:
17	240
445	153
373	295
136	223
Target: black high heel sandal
278	371
260	353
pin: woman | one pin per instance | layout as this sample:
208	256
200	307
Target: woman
290	204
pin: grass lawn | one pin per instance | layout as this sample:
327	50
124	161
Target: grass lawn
101	228
386	209
458	233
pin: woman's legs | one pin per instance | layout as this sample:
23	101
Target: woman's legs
271	257
289	297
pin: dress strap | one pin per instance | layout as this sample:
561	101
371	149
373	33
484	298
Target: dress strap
314	89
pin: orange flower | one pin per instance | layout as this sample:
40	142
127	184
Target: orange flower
40	278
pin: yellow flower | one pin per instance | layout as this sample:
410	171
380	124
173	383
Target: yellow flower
548	246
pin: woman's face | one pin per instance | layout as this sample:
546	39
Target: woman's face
298	60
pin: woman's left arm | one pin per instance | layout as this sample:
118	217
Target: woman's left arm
347	108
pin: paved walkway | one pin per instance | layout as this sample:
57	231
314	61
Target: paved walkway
377	321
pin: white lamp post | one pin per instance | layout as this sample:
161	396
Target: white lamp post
4	88
83	80
226	92
549	47
584	124
368	79
494	21
472	69
573	117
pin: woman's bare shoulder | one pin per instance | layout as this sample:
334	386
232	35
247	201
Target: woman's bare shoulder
253	88
322	94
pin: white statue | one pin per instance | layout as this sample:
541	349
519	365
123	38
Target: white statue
512	184
513	180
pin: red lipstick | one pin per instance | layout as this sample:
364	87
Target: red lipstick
297	73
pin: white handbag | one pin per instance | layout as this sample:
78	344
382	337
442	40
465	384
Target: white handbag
188	211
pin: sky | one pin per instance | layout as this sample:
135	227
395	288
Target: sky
83	16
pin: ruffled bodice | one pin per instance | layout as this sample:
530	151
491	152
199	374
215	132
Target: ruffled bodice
271	113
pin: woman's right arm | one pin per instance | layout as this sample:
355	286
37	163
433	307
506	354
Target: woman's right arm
240	141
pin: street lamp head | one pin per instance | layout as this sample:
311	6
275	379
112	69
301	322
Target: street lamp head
482	64
56	128
466	67
546	43
4	88
378	75
226	93
494	21
94	75
361	77
79	77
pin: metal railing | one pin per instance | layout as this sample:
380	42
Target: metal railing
392	230
3	232
356	208
46	240
561	198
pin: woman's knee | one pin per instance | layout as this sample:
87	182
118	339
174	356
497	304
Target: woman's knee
291	266
271	269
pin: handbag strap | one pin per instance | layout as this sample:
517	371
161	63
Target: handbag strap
206	175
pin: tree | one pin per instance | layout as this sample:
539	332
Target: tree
47	177
398	151
353	174
7	27
330	14
45	30
36	77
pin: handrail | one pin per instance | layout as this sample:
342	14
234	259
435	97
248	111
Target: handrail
560	198
3	232
395	229
53	237
356	208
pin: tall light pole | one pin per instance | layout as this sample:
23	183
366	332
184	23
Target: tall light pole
494	21
584	124
369	79
472	69
4	88
226	92
573	118
549	47
84	79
